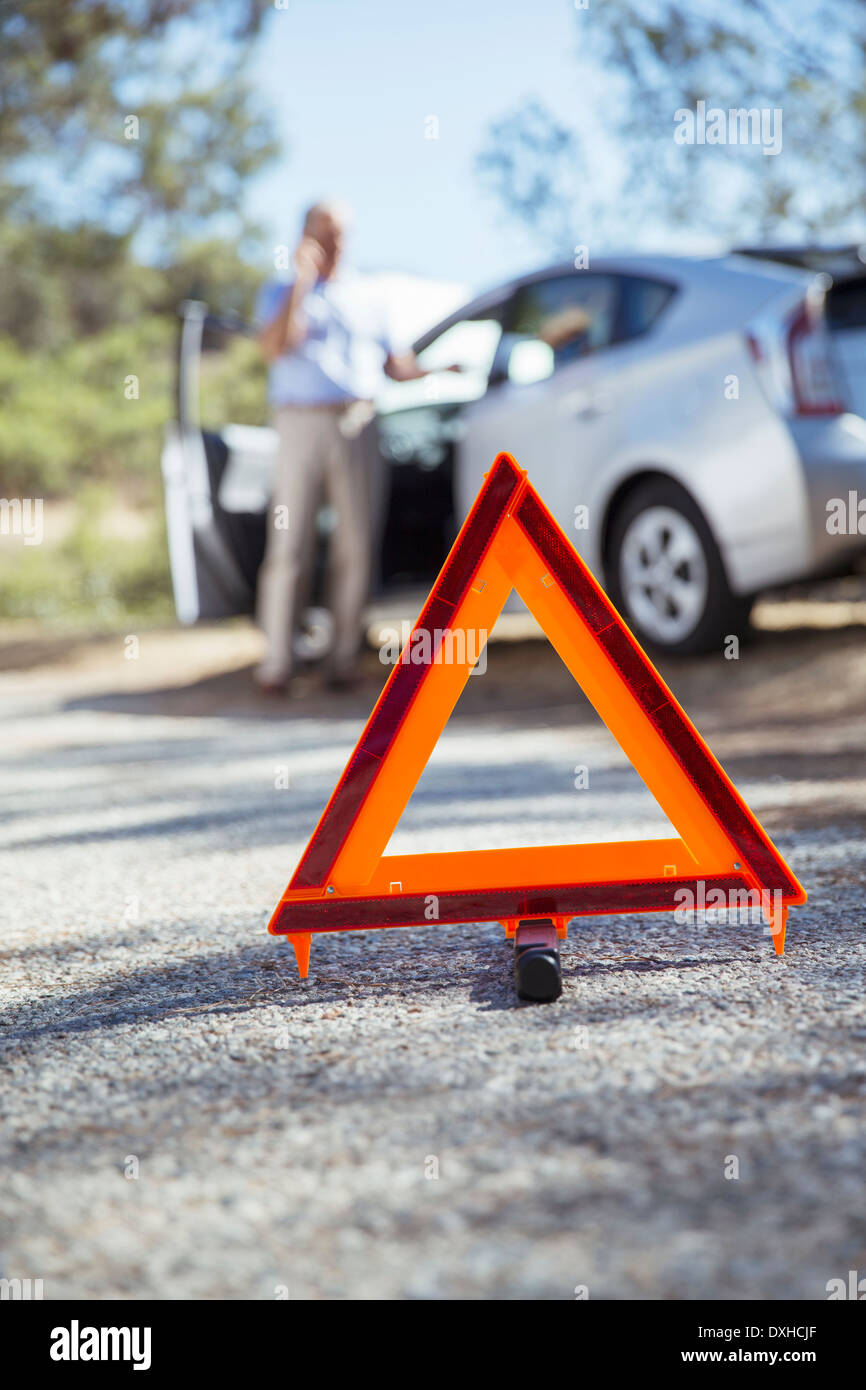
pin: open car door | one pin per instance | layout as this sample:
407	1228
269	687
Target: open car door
217	487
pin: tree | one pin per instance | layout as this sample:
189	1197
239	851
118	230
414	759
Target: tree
127	94
533	163
122	136
663	57
127	132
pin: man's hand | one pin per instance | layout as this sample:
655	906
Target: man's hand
309	258
288	328
404	367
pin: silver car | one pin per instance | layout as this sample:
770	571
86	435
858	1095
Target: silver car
681	417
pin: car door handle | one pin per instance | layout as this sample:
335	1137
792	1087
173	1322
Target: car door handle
585	405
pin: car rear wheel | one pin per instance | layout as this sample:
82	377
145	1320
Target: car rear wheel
665	572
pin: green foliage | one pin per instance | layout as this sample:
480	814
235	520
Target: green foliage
58	283
61	284
65	417
140	119
234	385
74	73
211	270
97	574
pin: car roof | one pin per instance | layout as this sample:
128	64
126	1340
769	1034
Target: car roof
723	274
846	261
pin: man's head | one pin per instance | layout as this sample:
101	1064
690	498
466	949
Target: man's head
325	222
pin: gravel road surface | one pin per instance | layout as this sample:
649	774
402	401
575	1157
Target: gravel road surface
182	1118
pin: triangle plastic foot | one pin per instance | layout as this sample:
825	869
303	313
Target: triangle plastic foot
777	920
301	942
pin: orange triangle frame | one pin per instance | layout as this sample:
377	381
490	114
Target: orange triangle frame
344	880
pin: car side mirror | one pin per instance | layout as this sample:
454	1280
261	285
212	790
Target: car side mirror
530	360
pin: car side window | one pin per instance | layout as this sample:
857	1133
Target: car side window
574	314
641	303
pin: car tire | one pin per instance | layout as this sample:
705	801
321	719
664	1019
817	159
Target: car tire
666	575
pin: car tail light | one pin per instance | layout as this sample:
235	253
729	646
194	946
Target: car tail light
794	359
812	374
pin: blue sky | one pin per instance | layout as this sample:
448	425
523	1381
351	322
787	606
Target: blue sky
351	87
351	83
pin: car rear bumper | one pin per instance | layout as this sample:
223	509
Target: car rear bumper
833	457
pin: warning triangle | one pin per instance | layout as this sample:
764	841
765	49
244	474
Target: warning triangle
345	881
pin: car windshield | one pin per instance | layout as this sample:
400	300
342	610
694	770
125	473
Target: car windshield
470	345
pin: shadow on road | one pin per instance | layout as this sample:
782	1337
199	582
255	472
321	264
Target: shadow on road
528	676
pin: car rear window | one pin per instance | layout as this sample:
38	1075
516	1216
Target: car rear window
846	304
641	304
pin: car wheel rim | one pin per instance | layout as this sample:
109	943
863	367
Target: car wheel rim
315	637
663	574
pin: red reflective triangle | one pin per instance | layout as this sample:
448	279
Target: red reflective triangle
344	880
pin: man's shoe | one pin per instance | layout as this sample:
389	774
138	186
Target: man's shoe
271	688
343	681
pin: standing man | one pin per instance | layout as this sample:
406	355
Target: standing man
326	340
